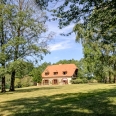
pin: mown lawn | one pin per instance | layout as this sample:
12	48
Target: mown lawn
66	100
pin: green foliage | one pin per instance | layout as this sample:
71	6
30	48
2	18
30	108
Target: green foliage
74	11
26	81
83	80
96	31
3	71
93	80
36	74
21	36
21	67
79	81
98	39
43	66
18	83
71	61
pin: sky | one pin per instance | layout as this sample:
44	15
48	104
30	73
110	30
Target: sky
62	47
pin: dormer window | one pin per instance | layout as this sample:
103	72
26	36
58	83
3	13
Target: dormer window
64	72
46	73
55	73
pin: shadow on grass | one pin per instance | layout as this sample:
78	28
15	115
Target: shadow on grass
95	103
28	89
36	89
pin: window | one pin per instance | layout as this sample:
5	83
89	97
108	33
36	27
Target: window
46	73
45	82
55	81
64	72
55	73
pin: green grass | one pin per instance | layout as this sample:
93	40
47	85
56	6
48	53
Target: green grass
68	100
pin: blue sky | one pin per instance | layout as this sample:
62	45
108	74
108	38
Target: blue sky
62	47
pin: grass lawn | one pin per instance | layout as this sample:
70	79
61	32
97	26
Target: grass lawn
66	100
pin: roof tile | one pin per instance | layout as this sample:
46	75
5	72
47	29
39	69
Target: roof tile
59	70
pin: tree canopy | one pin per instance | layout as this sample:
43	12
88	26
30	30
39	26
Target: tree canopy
95	27
22	35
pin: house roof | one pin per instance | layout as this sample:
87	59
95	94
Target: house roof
59	70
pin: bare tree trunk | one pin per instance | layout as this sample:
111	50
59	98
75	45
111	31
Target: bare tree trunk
114	72
109	77
2	42
3	89
12	88
114	78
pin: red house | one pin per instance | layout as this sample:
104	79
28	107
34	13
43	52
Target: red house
59	74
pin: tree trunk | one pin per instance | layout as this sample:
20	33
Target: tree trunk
109	77
115	72
3	89
2	42
12	81
114	78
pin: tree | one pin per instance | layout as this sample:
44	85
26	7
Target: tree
28	29
2	41
25	37
93	27
98	39
73	11
4	13
36	74
43	66
105	29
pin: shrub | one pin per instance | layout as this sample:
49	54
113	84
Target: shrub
93	81
23	82
26	81
18	83
85	80
77	81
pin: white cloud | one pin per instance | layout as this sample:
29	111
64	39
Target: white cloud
59	46
53	26
61	42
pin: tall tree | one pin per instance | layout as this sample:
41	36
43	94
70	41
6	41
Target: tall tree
3	40
98	39
1	45
26	30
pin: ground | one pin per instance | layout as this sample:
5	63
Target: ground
65	100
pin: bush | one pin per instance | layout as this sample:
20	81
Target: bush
85	80
26	81
93	81
18	83
77	81
23	82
